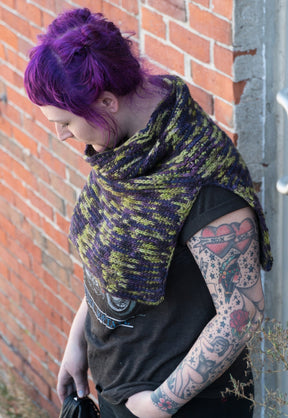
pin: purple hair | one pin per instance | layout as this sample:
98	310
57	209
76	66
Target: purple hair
81	55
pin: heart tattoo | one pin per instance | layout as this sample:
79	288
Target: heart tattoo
221	239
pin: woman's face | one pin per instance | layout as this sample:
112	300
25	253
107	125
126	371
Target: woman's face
218	348
69	125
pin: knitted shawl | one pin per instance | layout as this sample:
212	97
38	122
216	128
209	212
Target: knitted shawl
129	214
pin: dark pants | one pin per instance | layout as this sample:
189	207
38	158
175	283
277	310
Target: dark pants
196	408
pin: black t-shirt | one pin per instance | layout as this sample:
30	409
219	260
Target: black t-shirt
134	347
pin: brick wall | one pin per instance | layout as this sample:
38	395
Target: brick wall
40	275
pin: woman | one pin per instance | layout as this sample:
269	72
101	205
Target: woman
168	226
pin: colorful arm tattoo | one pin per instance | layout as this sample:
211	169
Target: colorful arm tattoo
228	257
163	402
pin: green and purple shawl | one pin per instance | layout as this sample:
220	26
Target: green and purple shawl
129	214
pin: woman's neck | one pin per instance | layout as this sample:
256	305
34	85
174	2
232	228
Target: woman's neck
136	110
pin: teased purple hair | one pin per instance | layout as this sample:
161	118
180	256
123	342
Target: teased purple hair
81	55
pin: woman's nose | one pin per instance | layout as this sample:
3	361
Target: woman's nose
62	132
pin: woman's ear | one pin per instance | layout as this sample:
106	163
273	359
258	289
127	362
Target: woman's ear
107	101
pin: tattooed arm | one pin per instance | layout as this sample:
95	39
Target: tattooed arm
227	252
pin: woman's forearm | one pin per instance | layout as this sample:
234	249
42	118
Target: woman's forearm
212	354
77	330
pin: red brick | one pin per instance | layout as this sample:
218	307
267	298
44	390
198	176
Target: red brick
12	114
21	286
35	362
30	247
15	184
9	75
54	269
4	301
74	253
47	4
9	291
25	140
27	211
9	3
12	147
7	226
55	234
46	405
77	179
3	237
8	194
125	21
5	126
11	355
16	23
224	8
49	194
69	156
70	298
2	52
59	255
64	189
19	100
224	112
205	3
8	37
20	253
94	5
48	311
77	288
216	83
36	379
53	162
28	275
31	311
232	135
35	131
47	18
78	146
164	54
63	223
238	89
11	324
38	169
61	6
194	45
173	8
29	11
78	272
153	22
210	25
16	60
50	282
39	203
23	173
34	32
204	99
223	59
131	6
11	213
24	46
251	52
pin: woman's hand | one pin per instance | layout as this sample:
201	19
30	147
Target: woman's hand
141	406
73	370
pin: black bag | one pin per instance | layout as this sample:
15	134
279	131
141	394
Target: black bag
74	407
